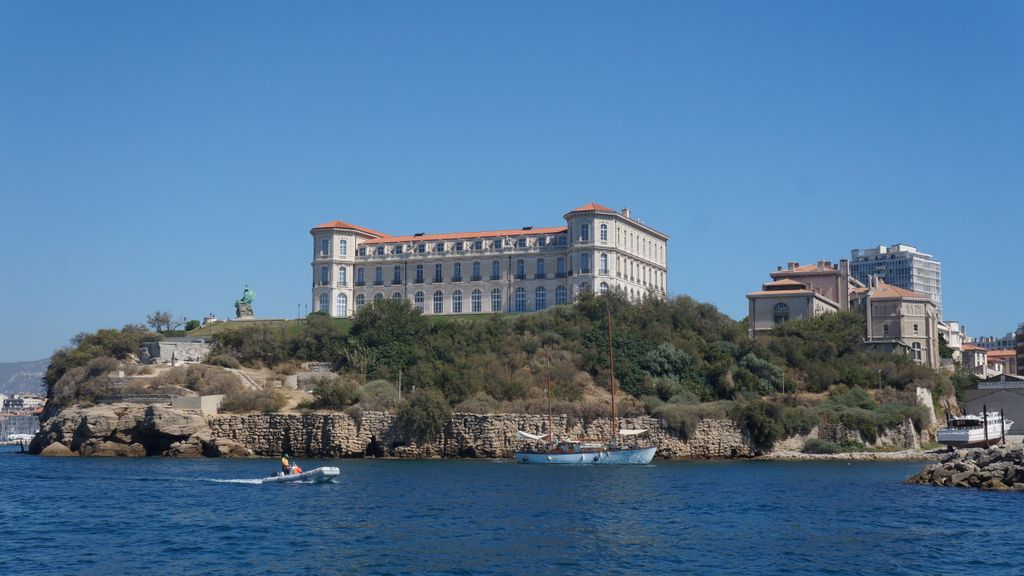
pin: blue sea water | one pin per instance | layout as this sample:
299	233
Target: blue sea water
209	516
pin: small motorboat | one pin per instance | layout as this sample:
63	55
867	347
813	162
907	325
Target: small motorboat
316	475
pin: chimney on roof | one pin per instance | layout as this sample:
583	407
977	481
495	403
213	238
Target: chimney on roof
418	234
792	265
625	212
527	227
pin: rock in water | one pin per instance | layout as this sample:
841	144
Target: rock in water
57	449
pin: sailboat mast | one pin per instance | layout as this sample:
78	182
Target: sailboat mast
611	378
551	427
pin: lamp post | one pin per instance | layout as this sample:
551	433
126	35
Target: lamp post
879	379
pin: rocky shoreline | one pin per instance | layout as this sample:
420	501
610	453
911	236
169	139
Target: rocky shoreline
897	455
157	430
996	468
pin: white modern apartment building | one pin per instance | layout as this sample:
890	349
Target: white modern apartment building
900	265
518	270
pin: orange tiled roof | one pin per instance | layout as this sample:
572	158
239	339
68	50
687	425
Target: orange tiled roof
1001	354
592	207
781	292
467	235
805	269
889	291
785	282
972	347
345	225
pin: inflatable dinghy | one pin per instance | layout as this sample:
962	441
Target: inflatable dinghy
322	474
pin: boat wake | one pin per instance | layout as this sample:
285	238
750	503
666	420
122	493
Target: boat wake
232	480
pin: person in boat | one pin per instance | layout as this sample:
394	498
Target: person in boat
286	468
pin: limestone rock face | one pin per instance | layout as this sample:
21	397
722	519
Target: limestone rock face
56	449
165	421
94	447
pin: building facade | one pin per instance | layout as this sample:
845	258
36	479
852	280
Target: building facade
500	271
800	292
902	266
899	320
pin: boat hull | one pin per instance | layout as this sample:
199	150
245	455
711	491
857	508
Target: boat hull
317	475
590	457
965	437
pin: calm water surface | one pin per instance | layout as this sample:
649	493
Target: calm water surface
164	516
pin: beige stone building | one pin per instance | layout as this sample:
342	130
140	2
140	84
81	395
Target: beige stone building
515	270
800	292
897	319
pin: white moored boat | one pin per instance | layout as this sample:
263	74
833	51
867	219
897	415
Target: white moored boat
321	474
985	429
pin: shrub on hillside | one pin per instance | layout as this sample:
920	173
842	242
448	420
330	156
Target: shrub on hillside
423	416
248	400
224	361
334	392
379	395
819	446
680	419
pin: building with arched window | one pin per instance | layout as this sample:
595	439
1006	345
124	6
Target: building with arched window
597	247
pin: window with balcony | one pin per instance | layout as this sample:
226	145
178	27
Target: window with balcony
438	272
439	247
562	239
584	263
475	300
457	272
419	273
584	232
520	299
417	301
604	232
496	300
540	298
397	249
457	302
378	276
520	269
458	246
360	301
540	268
604	263
917	350
396	277
343	248
560	295
560	268
496	270
496	244
521	243
361	251
342	276
342	305
421	248
478	245
325	246
438	302
379	251
325	303
360	280
325	276
476	272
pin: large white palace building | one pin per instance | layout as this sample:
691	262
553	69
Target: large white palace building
498	271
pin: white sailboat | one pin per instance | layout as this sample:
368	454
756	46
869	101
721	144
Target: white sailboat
562	451
969	430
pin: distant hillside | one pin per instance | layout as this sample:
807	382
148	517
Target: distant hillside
22	377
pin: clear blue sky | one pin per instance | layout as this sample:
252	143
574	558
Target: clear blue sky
161	155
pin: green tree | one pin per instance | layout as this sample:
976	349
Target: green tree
160	320
423	415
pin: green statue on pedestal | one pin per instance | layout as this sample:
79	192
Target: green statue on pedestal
243	306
